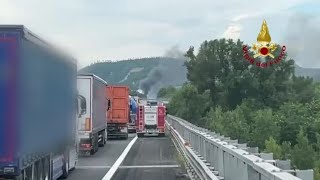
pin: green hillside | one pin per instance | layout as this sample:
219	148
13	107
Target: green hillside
115	72
148	72
151	74
311	72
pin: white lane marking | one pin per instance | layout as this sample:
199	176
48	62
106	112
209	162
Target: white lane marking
93	167
129	167
150	166
116	165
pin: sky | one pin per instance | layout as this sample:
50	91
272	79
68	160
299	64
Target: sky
122	29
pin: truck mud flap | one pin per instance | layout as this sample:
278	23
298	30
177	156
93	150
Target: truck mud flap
118	136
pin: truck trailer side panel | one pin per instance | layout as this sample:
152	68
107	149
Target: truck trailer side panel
37	95
99	105
7	91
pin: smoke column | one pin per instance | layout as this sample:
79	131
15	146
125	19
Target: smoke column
170	71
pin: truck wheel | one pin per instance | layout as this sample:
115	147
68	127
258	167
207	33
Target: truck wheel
46	169
102	142
40	170
29	173
65	170
105	137
21	177
97	142
65	167
140	135
35	174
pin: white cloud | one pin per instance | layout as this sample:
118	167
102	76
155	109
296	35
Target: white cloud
233	32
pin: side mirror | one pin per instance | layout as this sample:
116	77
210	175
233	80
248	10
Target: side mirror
83	106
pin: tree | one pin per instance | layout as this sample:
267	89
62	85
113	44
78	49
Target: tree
303	155
263	106
230	123
220	67
273	147
264	126
286	150
187	103
303	89
167	92
291	117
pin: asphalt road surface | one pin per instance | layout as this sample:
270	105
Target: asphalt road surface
94	167
151	158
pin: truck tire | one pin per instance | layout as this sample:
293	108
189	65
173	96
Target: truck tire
28	173
95	144
65	170
35	171
21	177
105	137
46	169
102	142
40	170
126	136
140	134
65	167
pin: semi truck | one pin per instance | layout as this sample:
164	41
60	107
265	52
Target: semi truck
133	115
119	112
38	107
151	119
92	124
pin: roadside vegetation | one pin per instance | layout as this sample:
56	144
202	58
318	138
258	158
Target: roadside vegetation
270	108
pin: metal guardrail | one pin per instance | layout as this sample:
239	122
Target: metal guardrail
223	159
200	170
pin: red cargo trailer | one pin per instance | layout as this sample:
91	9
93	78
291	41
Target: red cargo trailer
119	111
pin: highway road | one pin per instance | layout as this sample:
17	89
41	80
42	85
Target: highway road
151	158
94	167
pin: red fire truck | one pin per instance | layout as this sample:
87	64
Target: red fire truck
151	119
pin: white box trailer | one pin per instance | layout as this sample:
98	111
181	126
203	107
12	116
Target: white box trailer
93	124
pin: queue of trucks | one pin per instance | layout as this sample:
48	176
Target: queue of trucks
50	114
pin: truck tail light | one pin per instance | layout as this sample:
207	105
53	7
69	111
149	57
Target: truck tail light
88	124
86	145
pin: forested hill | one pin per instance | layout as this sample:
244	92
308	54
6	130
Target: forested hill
148	74
155	72
311	72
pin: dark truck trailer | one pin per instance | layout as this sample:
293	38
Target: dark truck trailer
92	125
37	107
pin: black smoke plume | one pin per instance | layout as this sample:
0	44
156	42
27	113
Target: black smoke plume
170	71
153	78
